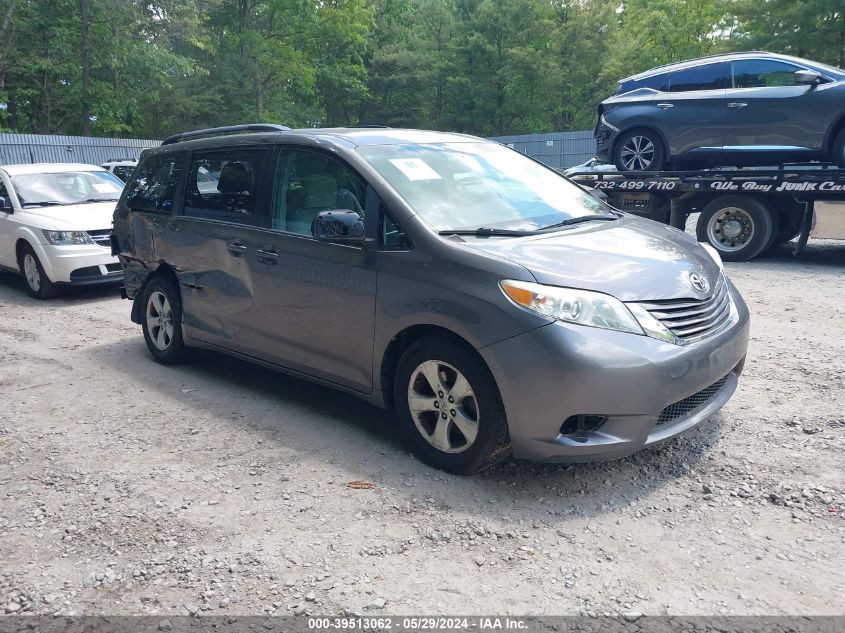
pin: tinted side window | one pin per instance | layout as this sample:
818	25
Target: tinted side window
123	172
709	77
155	184
3	191
224	185
656	82
309	182
762	73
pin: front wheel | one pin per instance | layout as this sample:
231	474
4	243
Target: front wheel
739	227
639	150
449	406
37	282
162	321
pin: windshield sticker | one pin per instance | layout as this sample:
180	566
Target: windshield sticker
415	169
105	187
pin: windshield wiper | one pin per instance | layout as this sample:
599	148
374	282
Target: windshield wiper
578	220
44	203
98	200
484	231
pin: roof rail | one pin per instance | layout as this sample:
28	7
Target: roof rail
697	59
227	129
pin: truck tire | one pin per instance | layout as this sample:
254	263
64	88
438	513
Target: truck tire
739	227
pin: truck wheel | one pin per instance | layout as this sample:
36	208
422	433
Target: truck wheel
639	150
739	227
838	156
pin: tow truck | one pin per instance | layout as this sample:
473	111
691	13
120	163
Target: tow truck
743	211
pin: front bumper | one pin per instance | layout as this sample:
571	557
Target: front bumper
81	265
605	135
642	390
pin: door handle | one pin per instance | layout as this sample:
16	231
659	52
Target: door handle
736	104
665	106
237	248
267	255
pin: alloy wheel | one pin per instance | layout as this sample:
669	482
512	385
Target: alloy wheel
443	406
159	320
30	269
637	153
730	229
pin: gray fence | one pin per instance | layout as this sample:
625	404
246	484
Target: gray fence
42	148
555	149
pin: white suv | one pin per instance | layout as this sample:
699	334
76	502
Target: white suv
120	167
55	225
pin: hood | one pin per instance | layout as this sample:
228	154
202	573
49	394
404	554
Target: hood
75	217
632	259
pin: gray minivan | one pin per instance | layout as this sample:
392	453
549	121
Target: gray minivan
495	306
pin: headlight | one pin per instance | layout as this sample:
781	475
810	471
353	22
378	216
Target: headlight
572	306
64	238
714	255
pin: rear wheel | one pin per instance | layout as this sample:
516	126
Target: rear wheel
162	321
37	282
639	150
449	406
739	227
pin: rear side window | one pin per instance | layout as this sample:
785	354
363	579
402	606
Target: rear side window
655	82
155	184
763	73
709	77
224	185
123	171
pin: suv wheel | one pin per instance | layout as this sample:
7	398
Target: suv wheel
449	406
739	227
37	282
639	150
162	321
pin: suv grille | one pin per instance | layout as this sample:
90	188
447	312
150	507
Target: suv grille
101	237
689	404
692	318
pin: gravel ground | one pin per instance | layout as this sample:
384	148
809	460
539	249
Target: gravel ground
221	488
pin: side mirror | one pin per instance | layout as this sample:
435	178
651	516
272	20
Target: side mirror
5	204
807	78
339	226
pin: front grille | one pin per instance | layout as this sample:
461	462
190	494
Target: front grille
693	318
689	404
101	237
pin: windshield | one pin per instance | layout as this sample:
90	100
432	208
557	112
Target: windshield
456	186
67	187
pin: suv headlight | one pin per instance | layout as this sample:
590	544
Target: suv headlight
65	238
583	307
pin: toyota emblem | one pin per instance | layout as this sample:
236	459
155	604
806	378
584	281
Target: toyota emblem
699	282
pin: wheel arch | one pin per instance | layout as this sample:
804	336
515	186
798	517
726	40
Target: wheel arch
164	269
833	133
401	341
641	126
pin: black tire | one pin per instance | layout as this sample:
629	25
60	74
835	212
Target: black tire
162	321
838	153
490	445
651	146
37	283
757	226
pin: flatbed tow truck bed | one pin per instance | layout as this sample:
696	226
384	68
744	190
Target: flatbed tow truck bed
744	212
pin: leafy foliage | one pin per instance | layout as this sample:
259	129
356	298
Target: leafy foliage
487	67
